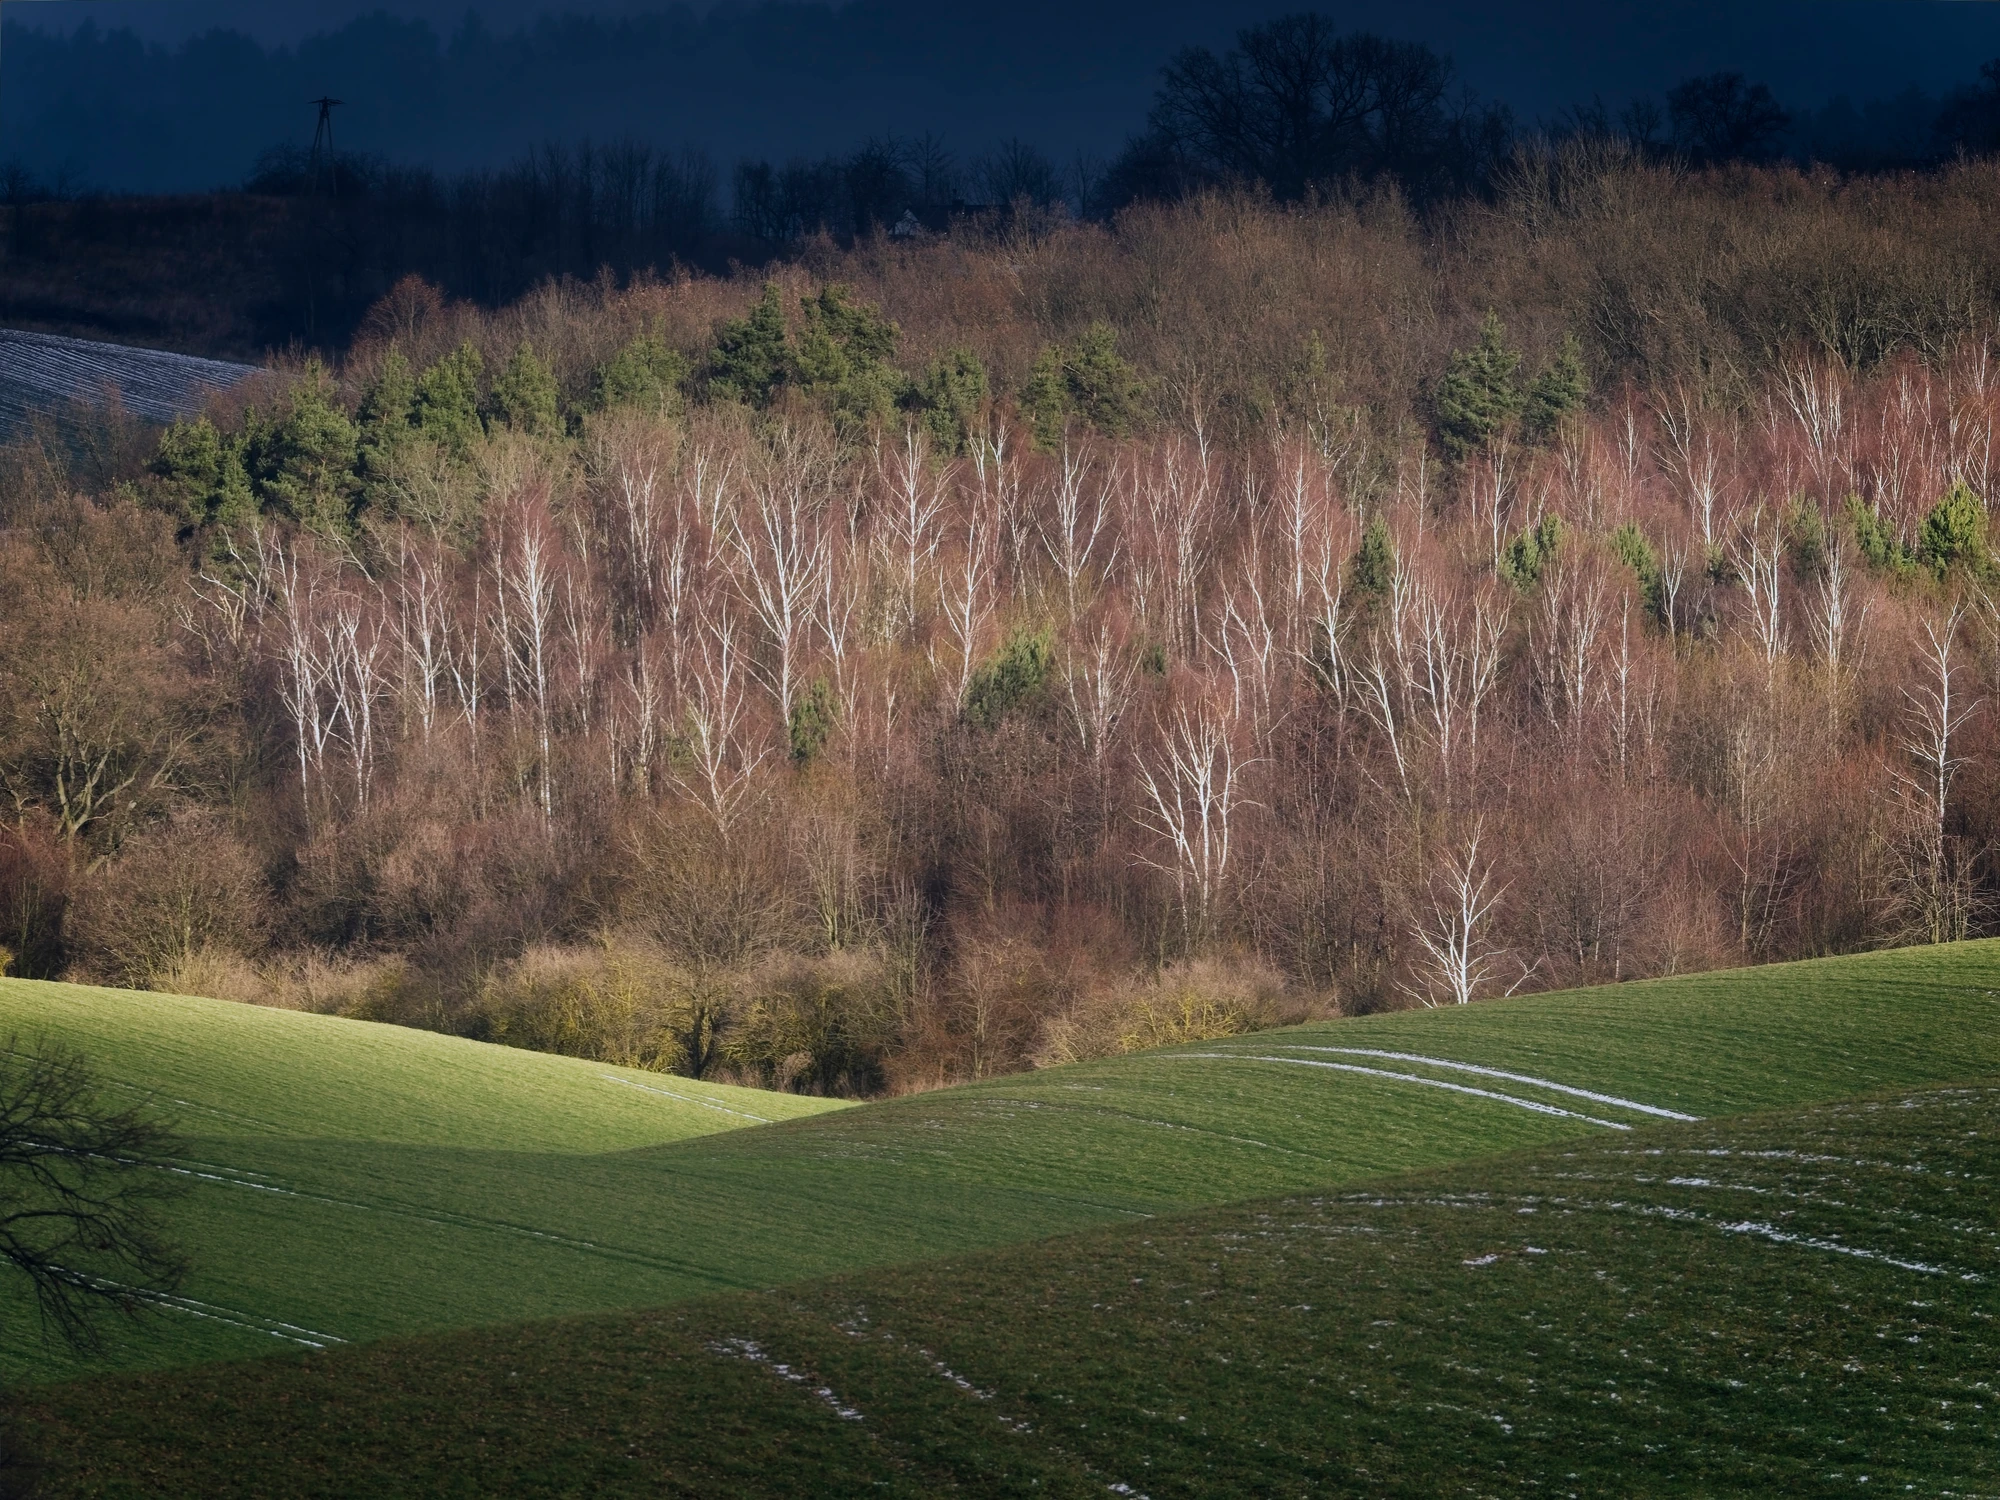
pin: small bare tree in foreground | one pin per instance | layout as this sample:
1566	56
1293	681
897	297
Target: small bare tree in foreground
79	1189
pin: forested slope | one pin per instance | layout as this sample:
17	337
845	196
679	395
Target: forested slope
971	652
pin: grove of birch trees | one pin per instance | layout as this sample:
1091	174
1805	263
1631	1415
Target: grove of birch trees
1045	654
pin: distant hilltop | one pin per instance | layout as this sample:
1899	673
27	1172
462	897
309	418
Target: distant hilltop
41	372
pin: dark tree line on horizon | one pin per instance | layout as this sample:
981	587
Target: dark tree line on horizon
1297	104
1298	109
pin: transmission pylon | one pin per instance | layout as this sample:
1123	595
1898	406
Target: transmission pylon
323	159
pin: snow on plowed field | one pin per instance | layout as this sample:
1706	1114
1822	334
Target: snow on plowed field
41	372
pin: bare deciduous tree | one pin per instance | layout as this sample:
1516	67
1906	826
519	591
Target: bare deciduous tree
965	599
1098	685
1193	801
1695	461
914	498
1460	957
528	562
1760	559
1079	506
1935	876
781	549
722	756
81	1184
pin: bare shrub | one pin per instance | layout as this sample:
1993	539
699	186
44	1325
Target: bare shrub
1197	1000
184	890
320	982
35	884
607	1003
817	1026
215	973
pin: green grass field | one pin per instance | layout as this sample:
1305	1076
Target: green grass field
1798	1302
291	1121
354	1182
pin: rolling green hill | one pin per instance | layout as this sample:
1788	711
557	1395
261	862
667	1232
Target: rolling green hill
288	1118
229	1071
1796	1302
356	1182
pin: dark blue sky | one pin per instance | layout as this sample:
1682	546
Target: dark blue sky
778	80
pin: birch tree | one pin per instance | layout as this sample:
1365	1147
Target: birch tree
1459	956
914	495
722	753
781	550
1935	882
1193	801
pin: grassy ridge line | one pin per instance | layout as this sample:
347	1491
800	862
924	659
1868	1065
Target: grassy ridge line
1800	1302
1734	1040
1183	1126
381	1238
241	1070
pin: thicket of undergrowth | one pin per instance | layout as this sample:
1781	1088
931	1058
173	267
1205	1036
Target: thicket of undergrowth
956	655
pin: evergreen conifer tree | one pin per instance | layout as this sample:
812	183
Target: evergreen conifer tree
447	401
950	397
385	422
525	398
1558	391
1954	532
752	355
843	356
1089	379
303	463
1045	399
198	477
812	720
1477	397
644	374
1104	386
1013	677
1374	565
1636	552
1530	552
388	407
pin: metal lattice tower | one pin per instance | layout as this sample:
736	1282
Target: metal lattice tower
323	159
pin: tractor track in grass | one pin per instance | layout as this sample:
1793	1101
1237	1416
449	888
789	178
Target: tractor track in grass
1105	1112
210	1312
647	1088
1435	1083
1464	1067
224	1176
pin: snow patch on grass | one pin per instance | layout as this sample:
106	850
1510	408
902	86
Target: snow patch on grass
751	1350
1812	1242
